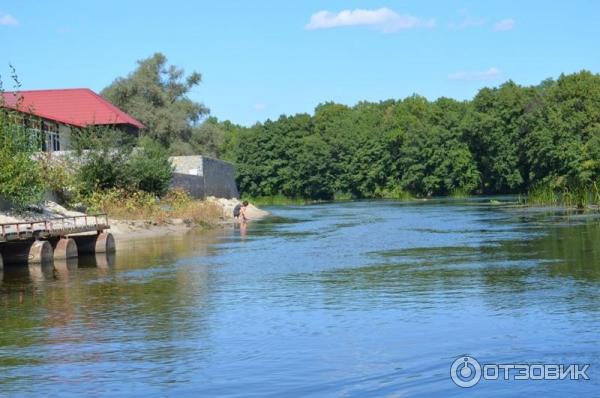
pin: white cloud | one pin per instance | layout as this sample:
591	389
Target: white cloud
504	25
468	21
259	107
8	20
469	76
382	19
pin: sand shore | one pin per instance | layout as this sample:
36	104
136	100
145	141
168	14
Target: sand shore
127	230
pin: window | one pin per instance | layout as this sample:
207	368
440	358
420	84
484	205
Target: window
51	138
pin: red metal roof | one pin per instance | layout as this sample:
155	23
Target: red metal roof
80	107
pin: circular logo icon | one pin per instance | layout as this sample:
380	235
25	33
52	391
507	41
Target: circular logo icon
465	371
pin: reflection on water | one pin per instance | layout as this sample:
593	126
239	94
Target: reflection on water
363	299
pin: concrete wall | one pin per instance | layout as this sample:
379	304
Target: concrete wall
202	176
192	184
219	178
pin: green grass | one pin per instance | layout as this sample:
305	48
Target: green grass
459	193
396	193
281	200
342	196
275	200
579	197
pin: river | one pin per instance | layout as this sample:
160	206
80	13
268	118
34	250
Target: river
345	299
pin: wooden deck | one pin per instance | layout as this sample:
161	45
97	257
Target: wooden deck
56	227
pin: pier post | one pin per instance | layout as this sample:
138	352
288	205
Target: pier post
91	244
26	252
40	251
105	243
64	248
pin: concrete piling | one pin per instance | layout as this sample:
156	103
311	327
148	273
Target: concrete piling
40	252
43	241
91	244
27	252
55	248
64	248
105	243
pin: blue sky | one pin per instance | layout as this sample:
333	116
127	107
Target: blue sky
260	59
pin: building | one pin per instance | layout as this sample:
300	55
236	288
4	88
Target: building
56	114
202	176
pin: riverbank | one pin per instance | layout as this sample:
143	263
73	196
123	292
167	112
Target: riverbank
128	230
209	213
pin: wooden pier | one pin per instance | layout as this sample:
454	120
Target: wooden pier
56	238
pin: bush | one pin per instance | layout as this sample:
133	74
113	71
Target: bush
58	176
20	180
101	160
122	204
149	168
105	161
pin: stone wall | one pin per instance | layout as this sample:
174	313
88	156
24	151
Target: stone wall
194	185
219	178
201	176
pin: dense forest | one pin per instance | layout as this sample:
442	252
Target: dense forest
507	139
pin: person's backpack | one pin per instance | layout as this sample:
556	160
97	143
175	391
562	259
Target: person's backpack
236	210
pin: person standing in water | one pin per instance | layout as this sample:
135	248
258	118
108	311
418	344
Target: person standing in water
239	211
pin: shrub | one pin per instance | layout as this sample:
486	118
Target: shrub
149	168
105	161
122	204
58	176
20	180
101	160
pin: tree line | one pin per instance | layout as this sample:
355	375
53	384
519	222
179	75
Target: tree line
507	139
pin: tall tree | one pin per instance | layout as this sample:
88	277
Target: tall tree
157	94
506	140
493	129
563	146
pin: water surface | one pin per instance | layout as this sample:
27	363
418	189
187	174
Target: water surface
350	299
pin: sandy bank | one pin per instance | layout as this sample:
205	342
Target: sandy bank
126	230
252	212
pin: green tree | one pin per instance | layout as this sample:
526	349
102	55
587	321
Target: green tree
20	178
206	138
564	132
493	128
149	167
99	161
21	181
103	161
506	140
157	95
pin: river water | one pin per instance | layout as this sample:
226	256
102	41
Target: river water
349	299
